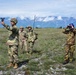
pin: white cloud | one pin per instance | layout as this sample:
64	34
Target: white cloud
38	7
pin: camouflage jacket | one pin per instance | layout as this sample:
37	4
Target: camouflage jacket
22	35
70	36
13	35
32	36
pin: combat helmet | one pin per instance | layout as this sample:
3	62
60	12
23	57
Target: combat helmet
29	27
14	20
21	27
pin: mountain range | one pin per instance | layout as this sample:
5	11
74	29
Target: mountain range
43	22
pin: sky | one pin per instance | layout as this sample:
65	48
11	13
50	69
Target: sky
30	8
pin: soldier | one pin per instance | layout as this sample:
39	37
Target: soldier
12	43
32	36
70	44
22	39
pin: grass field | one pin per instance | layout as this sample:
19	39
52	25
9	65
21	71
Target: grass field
47	57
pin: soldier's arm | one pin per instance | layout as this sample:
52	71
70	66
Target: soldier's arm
6	26
74	31
35	36
63	31
15	29
66	30
25	34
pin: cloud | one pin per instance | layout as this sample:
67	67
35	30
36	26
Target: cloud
38	7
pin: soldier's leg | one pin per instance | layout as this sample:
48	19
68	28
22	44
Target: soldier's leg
25	46
21	46
66	58
10	55
72	49
28	46
31	47
15	55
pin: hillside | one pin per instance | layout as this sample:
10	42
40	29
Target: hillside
46	59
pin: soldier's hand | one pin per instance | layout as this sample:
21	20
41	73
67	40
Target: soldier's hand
33	41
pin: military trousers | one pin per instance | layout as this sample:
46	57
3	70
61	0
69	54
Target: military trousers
30	46
23	46
13	53
69	52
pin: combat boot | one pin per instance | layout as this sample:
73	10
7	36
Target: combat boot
15	66
65	62
10	65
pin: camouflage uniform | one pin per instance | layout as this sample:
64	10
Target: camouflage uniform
70	44
32	36
22	40
12	43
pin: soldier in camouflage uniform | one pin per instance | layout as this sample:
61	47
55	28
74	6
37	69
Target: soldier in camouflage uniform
22	40
70	44
12	42
32	36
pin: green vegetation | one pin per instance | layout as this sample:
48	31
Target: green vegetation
47	56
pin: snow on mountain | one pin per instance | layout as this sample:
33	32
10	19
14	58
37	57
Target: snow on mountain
22	17
59	18
42	22
49	19
45	19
